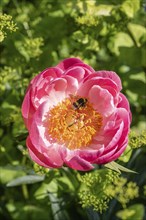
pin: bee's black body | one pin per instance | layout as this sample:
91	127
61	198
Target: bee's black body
80	103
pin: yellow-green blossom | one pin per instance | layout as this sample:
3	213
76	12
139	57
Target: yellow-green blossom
6	25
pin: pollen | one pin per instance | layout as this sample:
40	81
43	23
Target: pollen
73	127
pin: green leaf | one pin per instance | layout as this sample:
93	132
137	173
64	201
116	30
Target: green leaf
20	210
134	212
9	172
138	32
44	188
117	167
133	52
57	208
28	179
130	7
138	76
138	89
119	40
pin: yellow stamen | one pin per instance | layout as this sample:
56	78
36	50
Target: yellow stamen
73	127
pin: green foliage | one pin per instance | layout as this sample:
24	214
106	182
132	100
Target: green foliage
101	186
93	192
29	179
123	191
132	212
34	35
30	48
137	140
6	25
117	167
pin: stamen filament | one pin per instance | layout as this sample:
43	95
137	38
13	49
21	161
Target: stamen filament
73	127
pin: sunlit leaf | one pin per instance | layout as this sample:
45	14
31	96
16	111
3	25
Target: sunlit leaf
138	32
43	190
121	39
134	212
130	7
117	167
9	172
22	211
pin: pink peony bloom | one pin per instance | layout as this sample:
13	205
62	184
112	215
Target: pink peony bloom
75	116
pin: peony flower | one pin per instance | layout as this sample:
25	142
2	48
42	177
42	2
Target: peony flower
75	116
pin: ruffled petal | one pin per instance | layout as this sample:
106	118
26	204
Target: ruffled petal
103	83
90	154
119	140
67	63
78	163
124	104
111	75
102	100
54	154
77	72
72	84
59	84
27	110
38	157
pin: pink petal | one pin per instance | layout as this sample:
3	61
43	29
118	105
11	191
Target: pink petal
49	74
60	84
76	72
65	64
72	84
111	75
38	138
54	155
38	157
124	115
78	163
124	104
88	69
105	157
52	72
117	154
38	131
102	100
115	138
27	110
37	89
118	141
103	83
91	155
39	141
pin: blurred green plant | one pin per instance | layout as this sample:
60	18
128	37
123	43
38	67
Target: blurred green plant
132	212
6	25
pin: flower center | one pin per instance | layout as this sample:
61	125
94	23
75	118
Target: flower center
73	122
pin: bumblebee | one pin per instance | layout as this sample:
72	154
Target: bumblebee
73	118
81	102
